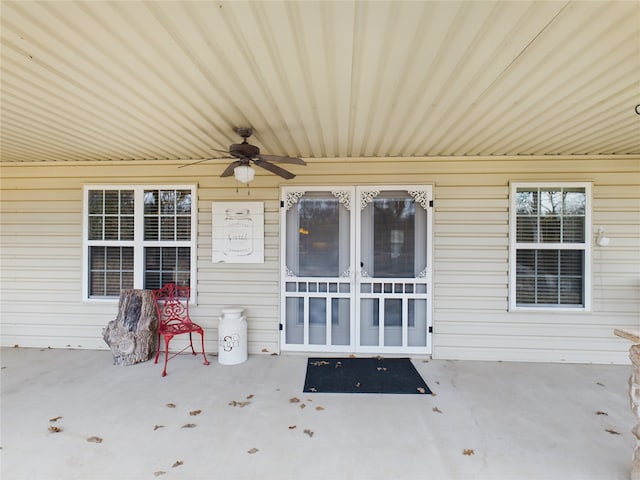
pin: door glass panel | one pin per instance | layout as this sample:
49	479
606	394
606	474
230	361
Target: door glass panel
417	323
317	321
393	322
393	233
369	325
294	320
318	236
340	321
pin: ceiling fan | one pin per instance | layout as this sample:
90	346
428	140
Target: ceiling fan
246	154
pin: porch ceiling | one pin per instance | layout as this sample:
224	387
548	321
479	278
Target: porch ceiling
99	81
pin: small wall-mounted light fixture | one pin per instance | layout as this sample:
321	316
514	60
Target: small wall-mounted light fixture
602	240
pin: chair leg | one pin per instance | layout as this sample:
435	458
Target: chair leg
193	352
158	349
167	339
206	361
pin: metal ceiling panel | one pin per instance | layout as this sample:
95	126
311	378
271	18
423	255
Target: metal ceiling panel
99	81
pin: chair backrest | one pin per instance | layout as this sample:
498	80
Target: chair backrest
172	302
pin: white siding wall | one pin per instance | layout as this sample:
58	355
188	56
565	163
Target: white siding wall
41	253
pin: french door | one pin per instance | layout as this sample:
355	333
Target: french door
356	269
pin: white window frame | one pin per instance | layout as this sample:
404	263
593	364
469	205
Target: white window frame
514	246
138	243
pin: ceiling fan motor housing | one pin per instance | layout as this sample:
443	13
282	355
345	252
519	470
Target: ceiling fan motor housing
244	150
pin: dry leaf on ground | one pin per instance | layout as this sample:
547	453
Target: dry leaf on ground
319	408
250	396
436	409
291	427
468	451
265	350
171	405
54	429
308	432
54	419
188	425
193	413
600	412
421	390
156	427
177	464
235	403
294	400
302	405
158	473
611	431
94	440
252	450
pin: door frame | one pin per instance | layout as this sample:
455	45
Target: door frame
352	196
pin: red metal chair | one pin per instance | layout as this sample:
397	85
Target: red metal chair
172	303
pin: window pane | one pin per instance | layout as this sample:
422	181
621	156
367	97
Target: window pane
167	202
126	202
111	202
126	228
527	229
183	202
96	202
151	202
95	228
527	202
166	265
573	230
184	258
97	258
167	230
571	277
547	290
550	228
111	229
575	201
183	228
111	269
151	228
113	258
550	277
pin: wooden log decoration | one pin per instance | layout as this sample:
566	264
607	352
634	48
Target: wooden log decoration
132	336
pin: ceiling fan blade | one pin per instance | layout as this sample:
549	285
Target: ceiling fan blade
278	159
195	163
274	169
229	170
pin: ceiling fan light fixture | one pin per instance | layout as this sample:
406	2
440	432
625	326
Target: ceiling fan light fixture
244	173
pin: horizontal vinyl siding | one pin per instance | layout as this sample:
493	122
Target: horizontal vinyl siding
41	254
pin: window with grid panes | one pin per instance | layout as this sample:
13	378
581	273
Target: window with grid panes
138	237
550	245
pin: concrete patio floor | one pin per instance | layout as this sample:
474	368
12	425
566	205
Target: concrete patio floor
487	420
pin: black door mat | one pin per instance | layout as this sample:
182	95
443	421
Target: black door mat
363	375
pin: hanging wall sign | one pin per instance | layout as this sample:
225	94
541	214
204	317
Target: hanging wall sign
238	232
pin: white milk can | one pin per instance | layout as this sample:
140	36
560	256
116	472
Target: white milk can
232	337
